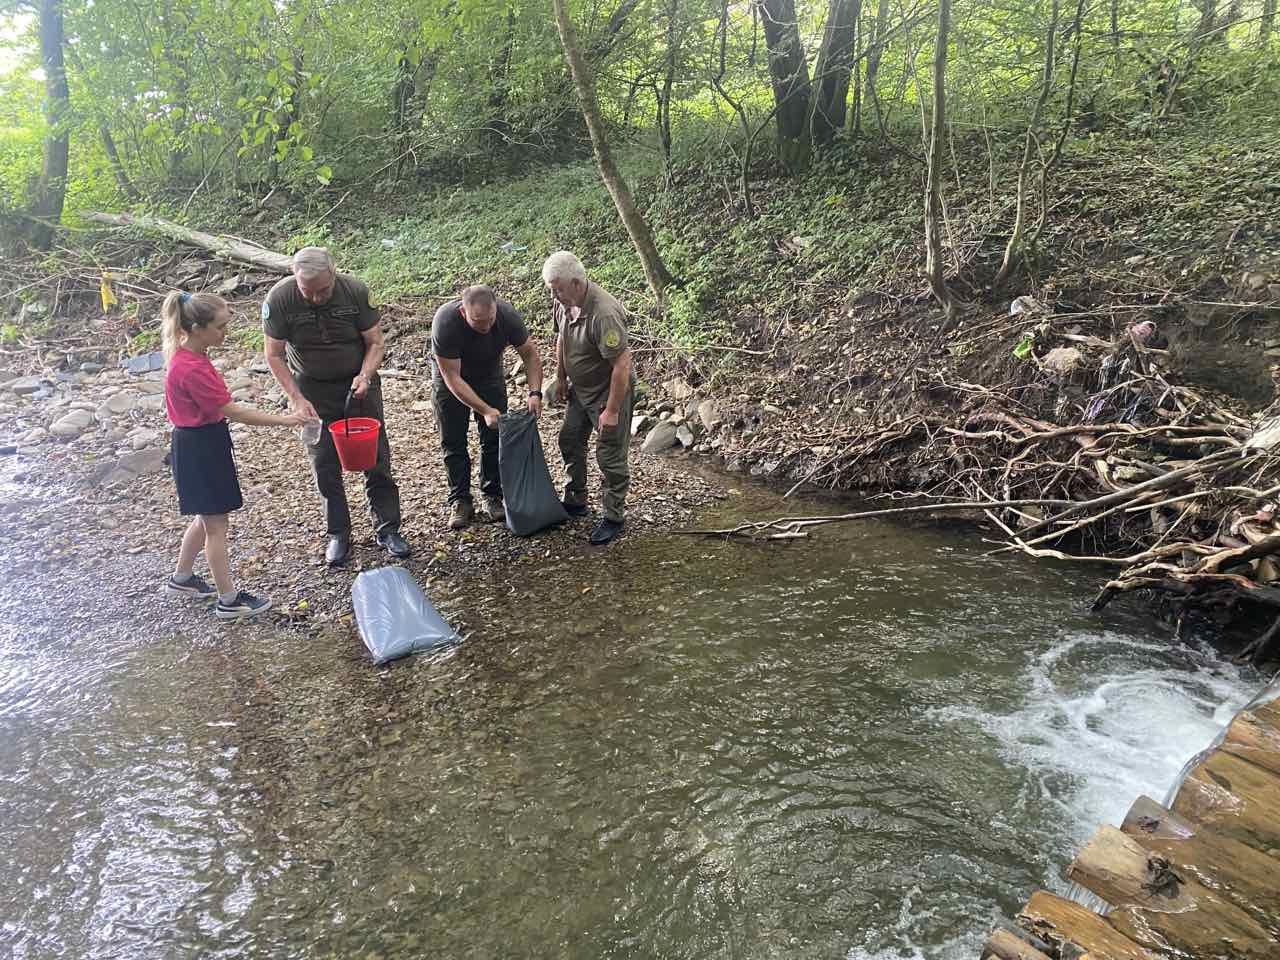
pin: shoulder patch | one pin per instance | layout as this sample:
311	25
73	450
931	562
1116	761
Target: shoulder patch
266	310
612	338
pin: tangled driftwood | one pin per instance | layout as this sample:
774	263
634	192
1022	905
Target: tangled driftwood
1174	490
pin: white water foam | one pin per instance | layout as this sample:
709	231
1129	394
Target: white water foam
1092	742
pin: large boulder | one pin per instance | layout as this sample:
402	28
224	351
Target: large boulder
72	424
661	438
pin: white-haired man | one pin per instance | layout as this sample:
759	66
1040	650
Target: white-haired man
594	378
323	341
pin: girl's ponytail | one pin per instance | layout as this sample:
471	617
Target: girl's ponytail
182	312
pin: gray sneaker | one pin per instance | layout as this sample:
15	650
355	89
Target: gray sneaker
495	509
195	587
460	514
244	605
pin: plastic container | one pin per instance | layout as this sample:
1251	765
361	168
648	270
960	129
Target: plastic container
309	432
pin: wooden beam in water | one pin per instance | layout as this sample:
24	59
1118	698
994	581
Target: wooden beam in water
1005	945
1058	921
1163	908
1254	735
1235	798
1247	877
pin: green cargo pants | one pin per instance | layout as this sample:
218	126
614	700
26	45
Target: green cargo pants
612	446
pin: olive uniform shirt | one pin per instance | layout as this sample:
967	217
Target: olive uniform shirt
592	337
323	342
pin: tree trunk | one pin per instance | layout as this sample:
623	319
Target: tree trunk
1014	248
663	94
655	270
789	73
117	166
933	192
498	130
875	50
228	248
51	189
833	69
1268	22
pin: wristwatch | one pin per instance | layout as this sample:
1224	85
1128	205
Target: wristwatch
535	393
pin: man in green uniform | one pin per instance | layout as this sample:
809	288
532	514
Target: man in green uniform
594	377
323	341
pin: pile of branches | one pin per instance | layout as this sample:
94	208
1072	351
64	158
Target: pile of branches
1168	487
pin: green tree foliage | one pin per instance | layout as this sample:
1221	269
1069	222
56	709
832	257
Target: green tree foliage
167	98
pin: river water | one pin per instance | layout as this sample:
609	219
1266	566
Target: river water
865	745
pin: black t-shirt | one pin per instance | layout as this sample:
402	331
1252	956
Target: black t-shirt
481	354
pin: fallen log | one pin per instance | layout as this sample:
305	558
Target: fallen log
1254	735
1160	906
1234	798
227	248
1248	878
1005	945
1062	922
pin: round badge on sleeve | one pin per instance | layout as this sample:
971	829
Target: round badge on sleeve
612	339
266	310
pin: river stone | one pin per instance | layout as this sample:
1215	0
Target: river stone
149	386
120	403
143	461
152	404
640	424
240	383
33	437
684	435
661	437
141	439
83	405
1063	360
25	386
71	425
7	375
239	396
90	367
709	413
678	389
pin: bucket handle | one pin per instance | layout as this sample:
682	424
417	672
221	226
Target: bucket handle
346	410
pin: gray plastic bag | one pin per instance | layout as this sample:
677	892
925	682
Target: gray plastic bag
527	490
395	617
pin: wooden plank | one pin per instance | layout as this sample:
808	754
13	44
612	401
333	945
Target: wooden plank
1254	735
1234	798
1245	876
1163	908
1004	945
1058	921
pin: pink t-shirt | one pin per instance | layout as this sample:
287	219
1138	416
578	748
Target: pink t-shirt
194	391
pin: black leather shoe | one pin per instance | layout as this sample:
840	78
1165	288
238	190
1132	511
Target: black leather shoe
605	532
574	509
394	544
338	550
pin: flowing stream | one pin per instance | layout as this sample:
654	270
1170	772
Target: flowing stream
864	745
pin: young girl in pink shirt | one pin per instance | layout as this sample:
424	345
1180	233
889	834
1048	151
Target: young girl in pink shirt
204	469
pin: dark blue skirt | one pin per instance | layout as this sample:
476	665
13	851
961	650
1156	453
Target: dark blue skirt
204	470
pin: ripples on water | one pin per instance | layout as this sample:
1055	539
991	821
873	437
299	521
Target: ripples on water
862	746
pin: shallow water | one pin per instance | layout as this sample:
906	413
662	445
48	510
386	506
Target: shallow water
864	745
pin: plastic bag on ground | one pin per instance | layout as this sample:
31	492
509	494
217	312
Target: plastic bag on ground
527	490
394	616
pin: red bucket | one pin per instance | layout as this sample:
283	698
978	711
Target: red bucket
356	440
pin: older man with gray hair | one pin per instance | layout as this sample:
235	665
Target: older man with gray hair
594	378
323	342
